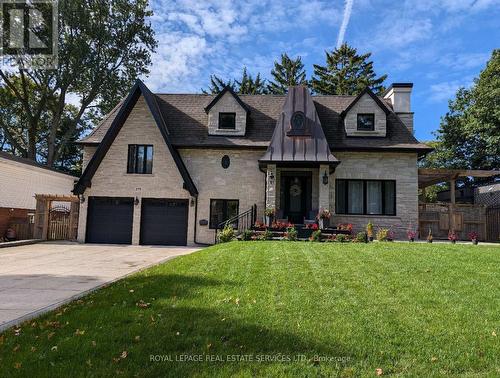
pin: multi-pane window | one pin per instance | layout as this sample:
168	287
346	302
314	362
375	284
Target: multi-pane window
366	197
140	158
227	121
221	210
366	122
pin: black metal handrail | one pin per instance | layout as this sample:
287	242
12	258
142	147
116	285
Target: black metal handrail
240	222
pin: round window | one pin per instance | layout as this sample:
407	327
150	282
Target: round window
298	121
225	162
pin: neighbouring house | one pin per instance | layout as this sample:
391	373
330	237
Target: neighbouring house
169	168
20	180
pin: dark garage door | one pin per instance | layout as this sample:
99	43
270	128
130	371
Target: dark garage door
109	220
164	221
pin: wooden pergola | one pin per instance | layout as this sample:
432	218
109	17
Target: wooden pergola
62	230
451	217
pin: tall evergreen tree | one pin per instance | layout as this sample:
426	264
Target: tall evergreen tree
248	85
287	73
217	84
346	73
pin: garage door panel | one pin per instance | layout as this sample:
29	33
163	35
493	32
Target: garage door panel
109	220
164	221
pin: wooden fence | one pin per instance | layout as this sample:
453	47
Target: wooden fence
493	223
442	218
24	231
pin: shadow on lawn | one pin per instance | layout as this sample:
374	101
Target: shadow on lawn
186	316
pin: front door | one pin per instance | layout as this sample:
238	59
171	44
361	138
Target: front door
295	198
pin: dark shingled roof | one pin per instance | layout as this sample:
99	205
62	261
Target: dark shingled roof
187	123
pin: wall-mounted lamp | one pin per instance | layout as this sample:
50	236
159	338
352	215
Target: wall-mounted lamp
82	198
325	178
191	203
136	202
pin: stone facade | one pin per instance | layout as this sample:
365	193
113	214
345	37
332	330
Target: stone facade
227	104
242	180
112	180
401	167
366	104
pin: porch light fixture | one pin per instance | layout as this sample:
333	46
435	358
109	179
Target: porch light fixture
82	198
136	202
271	177
325	178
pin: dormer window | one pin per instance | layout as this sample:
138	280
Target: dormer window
227	121
366	122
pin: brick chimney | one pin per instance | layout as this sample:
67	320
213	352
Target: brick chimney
400	96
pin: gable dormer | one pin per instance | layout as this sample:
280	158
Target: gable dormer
366	116
227	114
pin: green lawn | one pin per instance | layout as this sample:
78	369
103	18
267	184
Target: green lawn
408	309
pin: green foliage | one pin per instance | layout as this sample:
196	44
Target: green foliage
247	84
369	229
288	72
266	235
316	236
217	84
341	238
226	235
247	235
346	73
291	234
361	237
383	234
103	47
469	133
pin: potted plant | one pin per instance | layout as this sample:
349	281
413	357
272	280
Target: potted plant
369	231
473	237
411	235
452	236
429	236
269	213
324	214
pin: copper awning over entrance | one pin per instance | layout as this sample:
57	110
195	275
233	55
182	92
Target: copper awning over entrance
298	138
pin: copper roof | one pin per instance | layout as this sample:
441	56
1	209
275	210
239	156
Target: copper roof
308	144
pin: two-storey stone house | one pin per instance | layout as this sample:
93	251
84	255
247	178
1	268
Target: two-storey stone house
169	168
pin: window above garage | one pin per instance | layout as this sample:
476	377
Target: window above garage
140	159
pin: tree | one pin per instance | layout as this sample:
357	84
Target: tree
469	133
288	72
248	85
217	85
346	73
104	46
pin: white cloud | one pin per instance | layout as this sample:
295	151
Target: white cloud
445	91
345	22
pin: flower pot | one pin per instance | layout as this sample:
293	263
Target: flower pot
474	241
370	238
453	242
412	240
429	241
268	221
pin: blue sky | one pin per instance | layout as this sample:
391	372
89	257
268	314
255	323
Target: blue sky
437	45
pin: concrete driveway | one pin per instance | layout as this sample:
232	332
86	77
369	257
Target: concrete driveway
37	278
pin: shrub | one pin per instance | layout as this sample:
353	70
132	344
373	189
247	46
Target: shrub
369	229
383	234
341	238
247	235
291	234
226	235
266	235
361	237
316	236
